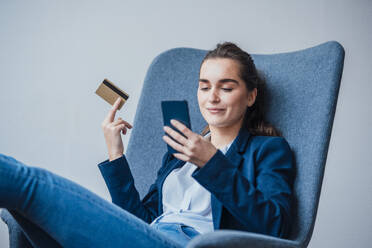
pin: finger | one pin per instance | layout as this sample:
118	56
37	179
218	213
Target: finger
126	123
121	121
116	104
173	144
124	131
175	135
181	156
120	127
180	126
111	114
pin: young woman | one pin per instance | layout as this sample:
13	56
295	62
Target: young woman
237	174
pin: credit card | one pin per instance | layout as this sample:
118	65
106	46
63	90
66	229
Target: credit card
110	92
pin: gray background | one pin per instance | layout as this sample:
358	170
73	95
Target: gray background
55	53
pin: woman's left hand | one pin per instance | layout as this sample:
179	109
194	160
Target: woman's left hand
194	148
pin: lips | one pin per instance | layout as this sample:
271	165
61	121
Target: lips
215	110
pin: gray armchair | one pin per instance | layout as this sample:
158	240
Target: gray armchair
302	90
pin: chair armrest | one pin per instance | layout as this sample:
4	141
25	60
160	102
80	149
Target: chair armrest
239	239
16	237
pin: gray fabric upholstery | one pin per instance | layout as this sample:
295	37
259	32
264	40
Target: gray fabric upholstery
238	239
302	90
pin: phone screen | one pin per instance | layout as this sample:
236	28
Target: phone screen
177	110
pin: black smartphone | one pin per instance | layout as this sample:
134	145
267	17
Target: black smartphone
177	110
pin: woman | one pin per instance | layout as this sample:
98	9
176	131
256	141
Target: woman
237	174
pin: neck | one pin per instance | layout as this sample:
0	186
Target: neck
221	136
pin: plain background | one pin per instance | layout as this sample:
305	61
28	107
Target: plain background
54	54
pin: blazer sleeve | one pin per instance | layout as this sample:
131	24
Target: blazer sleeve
263	205
120	183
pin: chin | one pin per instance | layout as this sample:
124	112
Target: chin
217	124
220	123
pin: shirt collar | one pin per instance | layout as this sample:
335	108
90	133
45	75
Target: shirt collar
223	149
239	141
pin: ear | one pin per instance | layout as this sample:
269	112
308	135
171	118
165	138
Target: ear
252	97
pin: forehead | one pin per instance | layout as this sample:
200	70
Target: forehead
219	67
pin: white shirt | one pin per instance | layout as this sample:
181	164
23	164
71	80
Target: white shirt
185	200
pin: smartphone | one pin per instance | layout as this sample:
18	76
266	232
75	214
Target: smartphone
177	110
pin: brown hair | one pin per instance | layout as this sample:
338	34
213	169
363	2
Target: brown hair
254	119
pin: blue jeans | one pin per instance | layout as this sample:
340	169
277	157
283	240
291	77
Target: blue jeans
53	211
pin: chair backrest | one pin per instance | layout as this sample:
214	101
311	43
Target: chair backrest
302	90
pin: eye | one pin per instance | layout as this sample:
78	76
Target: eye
204	88
227	89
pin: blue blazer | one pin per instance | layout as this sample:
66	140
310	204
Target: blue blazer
250	186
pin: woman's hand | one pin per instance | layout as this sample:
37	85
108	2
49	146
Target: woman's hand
111	131
194	148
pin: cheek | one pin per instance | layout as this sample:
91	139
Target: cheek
238	103
200	102
201	98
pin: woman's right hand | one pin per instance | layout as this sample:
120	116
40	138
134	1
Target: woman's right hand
111	130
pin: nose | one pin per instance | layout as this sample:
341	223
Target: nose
213	96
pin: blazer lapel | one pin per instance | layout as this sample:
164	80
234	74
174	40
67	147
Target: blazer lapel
235	156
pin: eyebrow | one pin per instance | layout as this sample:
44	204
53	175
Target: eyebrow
225	80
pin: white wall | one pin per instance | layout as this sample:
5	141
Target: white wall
53	55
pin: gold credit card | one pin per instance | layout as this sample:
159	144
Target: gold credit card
110	92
